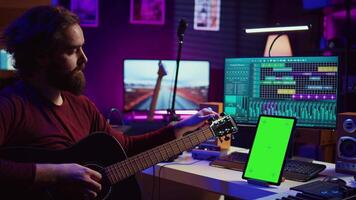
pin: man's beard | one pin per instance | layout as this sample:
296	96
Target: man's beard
73	81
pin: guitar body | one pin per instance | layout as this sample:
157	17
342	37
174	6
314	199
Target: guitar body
97	151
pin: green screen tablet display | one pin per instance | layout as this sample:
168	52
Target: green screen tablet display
266	157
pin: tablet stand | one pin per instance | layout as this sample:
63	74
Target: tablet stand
257	182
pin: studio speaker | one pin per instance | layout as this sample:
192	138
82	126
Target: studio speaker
346	143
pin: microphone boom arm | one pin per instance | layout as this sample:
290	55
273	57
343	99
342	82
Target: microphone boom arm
180	33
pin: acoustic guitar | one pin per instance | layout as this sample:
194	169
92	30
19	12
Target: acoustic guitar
103	153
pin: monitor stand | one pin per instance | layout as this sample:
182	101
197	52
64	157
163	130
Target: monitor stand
258	182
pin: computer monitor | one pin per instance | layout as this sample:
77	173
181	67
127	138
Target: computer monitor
301	87
140	77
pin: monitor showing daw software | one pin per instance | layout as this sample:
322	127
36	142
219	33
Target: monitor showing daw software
140	78
301	87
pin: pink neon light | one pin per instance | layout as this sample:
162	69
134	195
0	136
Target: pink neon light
145	117
156	117
179	112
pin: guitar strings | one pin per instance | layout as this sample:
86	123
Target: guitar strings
115	175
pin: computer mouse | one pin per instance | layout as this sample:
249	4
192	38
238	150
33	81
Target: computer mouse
335	180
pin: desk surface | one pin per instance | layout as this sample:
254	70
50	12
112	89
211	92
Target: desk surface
199	174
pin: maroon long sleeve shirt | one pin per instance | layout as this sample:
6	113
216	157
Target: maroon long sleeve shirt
29	120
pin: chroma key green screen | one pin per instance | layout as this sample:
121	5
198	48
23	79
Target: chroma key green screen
265	162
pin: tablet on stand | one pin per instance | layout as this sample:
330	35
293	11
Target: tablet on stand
266	158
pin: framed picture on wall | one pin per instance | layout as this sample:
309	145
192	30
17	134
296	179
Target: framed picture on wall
207	15
87	10
147	12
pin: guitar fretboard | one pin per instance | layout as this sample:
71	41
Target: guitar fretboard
130	166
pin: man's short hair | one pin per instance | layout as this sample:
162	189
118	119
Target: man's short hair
36	33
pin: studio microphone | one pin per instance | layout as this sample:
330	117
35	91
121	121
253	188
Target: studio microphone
181	29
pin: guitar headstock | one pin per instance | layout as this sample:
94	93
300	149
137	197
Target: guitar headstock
223	126
161	70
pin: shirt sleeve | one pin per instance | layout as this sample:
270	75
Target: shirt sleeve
6	118
16	175
12	174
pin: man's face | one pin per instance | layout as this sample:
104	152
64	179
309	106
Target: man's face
67	62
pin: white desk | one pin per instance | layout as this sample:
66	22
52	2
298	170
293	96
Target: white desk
226	182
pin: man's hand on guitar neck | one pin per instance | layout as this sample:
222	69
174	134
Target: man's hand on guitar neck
194	122
75	180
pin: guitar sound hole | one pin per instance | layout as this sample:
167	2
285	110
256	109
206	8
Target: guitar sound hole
105	188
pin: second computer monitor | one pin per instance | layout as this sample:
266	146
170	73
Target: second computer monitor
140	79
301	87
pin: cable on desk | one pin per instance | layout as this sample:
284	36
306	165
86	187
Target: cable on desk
159	173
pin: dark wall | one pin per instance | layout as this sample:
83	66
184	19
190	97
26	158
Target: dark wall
304	43
213	46
116	39
229	41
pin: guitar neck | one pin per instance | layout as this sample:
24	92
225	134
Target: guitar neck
154	98
122	170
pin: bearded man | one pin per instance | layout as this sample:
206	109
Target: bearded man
46	108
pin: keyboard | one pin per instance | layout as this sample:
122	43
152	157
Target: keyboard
301	171
295	170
